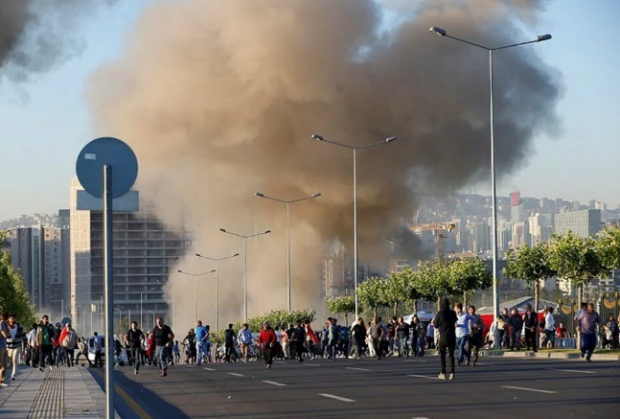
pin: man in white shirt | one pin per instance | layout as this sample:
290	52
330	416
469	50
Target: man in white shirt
245	340
549	328
464	324
32	346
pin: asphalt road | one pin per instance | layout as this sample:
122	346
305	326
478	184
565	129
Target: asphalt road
391	388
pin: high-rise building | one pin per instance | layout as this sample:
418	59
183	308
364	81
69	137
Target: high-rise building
144	251
41	256
540	228
584	223
482	238
516	207
520	235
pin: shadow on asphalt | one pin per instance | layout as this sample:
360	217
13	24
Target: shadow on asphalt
149	401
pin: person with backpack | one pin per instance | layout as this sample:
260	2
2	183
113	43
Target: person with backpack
15	343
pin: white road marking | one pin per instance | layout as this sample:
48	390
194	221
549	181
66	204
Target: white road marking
312	365
424	376
331	396
579	371
356	369
208	369
235	374
417	417
535	390
274	383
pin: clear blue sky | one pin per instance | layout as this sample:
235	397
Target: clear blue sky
44	123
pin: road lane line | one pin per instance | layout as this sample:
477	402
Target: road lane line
425	376
535	390
579	371
356	369
331	396
274	383
208	369
235	374
312	365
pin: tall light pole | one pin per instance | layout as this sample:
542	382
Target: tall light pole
151	311
288	238
540	38
245	267
195	288
141	319
217	289
354	148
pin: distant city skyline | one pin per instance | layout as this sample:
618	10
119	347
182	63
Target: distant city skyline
44	123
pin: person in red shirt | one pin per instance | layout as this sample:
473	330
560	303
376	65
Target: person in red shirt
269	343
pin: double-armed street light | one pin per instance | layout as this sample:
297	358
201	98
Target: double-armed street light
196	276
443	33
217	292
354	148
245	266
288	238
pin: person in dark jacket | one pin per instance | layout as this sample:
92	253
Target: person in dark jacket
530	321
516	324
359	337
445	323
229	342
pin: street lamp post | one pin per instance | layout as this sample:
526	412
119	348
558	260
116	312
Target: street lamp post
195	288
141	320
217	292
540	38
288	238
245	267
151	311
354	149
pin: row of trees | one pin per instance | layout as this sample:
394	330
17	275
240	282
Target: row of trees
431	281
569	258
13	295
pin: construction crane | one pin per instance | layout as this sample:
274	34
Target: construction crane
439	236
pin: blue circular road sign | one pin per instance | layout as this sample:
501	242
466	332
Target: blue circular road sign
112	152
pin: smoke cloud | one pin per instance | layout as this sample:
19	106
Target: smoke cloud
219	98
36	35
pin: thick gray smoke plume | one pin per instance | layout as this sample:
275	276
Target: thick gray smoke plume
35	35
219	99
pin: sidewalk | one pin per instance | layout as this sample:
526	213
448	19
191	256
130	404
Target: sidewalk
547	355
64	393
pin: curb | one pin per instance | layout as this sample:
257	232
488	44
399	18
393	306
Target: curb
547	355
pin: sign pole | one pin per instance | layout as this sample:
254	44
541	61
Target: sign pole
109	290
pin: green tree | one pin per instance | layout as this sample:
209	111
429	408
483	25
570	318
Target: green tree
466	275
609	247
370	294
531	264
13	295
342	305
431	281
577	260
396	289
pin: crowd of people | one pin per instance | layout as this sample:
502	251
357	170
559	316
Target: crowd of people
459	333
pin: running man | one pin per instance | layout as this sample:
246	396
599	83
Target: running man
202	337
477	332
587	322
229	342
45	334
163	344
445	323
298	338
245	340
463	330
133	339
269	343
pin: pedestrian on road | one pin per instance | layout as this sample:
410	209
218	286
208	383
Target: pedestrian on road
202	337
502	328
69	343
516	324
377	333
463	331
4	356
269	343
286	342
477	331
229	342
45	336
588	320
190	345
402	337
245	340
133	339
163	344
33	353
530	321
58	351
359	337
445	323
298	338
